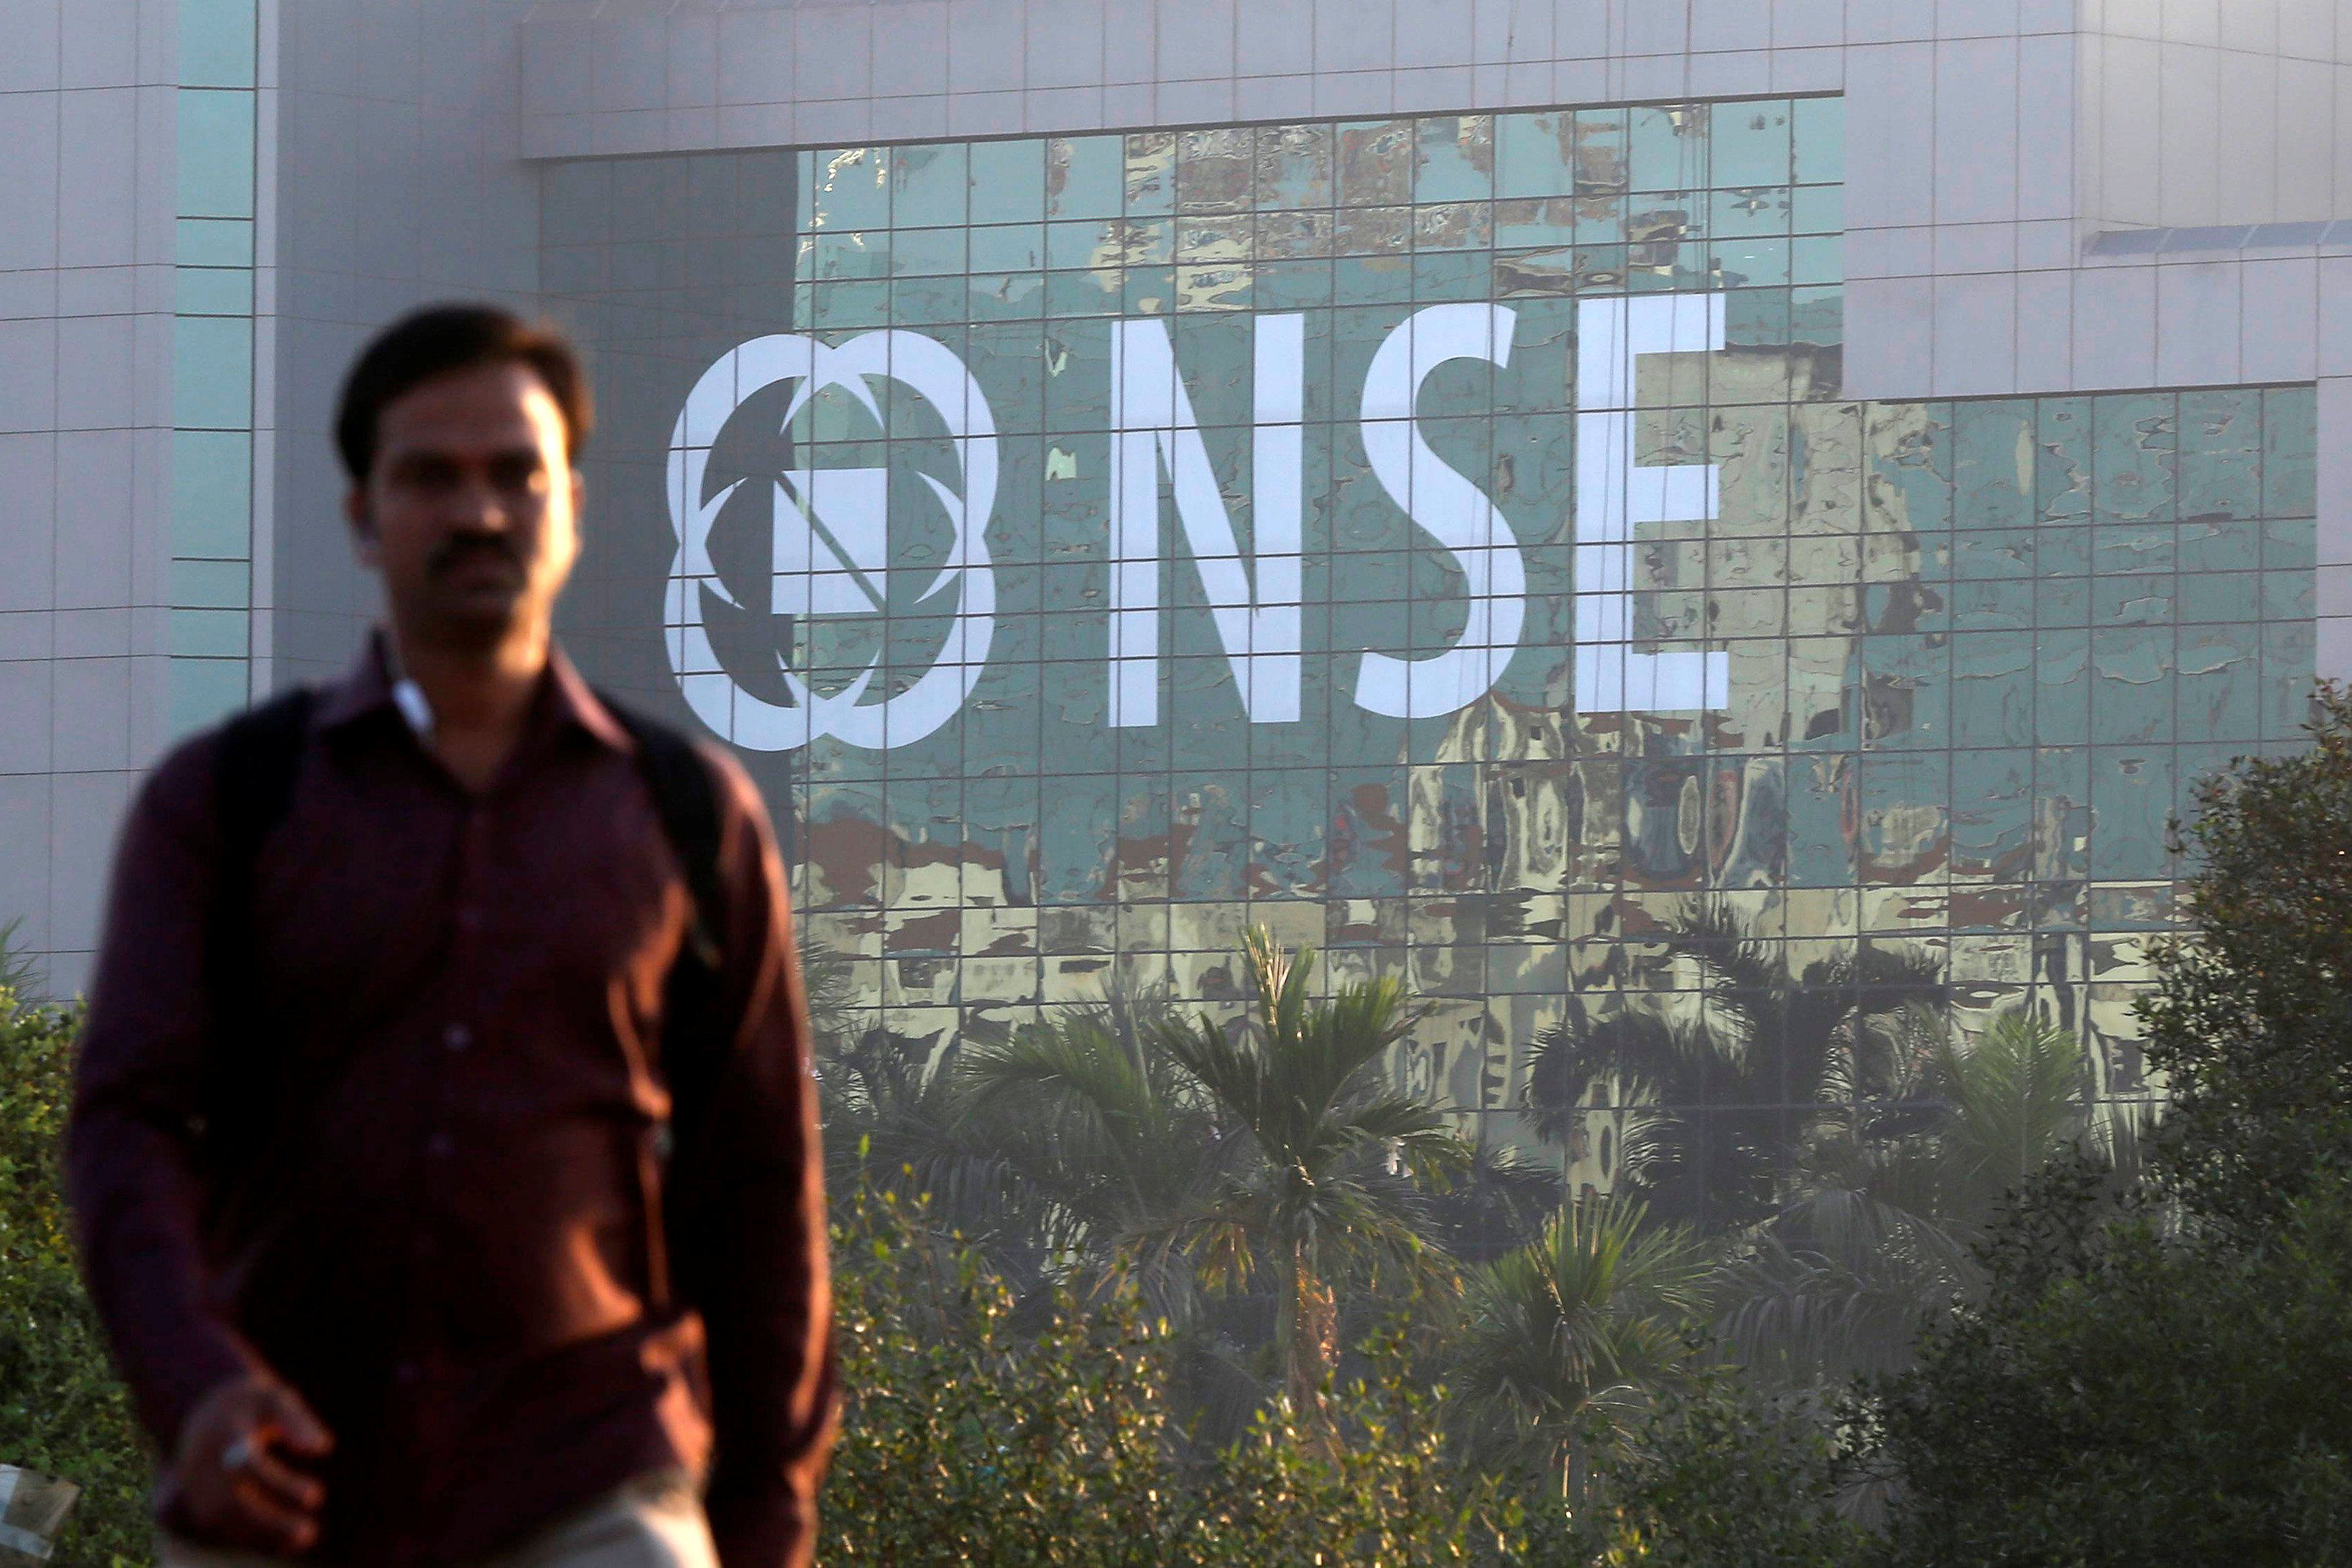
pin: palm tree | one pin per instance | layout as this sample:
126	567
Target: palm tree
1318	1161
1568	1337
2020	1093
1111	1138
895	1121
1887	1194
1496	1206
1709	1105
837	1011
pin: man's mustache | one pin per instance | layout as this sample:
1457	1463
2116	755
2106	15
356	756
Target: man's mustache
465	547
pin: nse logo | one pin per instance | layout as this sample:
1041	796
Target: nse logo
830	536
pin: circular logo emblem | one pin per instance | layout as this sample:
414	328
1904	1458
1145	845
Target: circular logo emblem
829	556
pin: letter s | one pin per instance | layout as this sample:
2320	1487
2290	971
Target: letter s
1446	507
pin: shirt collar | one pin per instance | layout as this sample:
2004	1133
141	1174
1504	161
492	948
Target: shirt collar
564	698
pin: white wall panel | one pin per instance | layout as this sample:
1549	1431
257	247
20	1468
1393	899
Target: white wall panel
1064	44
985	47
1975	334
2045	325
29	392
2307	29
1976	130
1357	36
2197	324
2047	128
98	43
30	62
26	865
85	809
630	64
2114	327
97	140
97	375
28	179
25	715
1958	19
2187	143
1721	24
2278	326
1899	349
1274	37
1130	41
1436	32
28	496
91	727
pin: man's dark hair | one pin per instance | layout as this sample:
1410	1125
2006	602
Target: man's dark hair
439	340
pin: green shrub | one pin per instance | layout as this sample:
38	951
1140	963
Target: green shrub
969	1439
2129	1395
1727	1477
62	1410
2156	1373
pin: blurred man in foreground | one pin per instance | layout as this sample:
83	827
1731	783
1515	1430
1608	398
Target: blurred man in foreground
444	1151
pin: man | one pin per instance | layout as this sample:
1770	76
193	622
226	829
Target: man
373	1130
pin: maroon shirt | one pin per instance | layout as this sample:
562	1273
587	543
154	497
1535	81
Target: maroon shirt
446	1244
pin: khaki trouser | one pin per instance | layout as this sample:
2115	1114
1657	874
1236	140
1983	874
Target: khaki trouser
655	1522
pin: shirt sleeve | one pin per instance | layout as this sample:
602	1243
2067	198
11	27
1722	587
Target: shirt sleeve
131	1171
767	1303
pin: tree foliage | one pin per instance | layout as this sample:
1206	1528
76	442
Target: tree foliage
968	1440
2249	1016
2155	1372
1568	1340
1327	1160
1706	1096
2129	1394
62	1410
1056	1246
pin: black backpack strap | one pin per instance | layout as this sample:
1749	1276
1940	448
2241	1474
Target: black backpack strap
694	1032
255	770
685	798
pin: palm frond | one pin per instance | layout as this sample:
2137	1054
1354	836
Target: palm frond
2020	1093
1079	1086
1583	1324
1803	1313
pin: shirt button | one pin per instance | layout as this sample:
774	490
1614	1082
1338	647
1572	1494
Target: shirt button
458	1037
440	1146
469	919
408	1372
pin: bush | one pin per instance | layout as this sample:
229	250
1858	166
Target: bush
2155	1374
62	1410
967	1439
1729	1478
2249	1016
2131	1396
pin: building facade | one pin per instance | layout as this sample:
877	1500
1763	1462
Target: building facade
1467	483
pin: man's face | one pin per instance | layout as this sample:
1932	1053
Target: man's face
471	510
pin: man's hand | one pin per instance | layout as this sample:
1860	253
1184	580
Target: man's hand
236	1485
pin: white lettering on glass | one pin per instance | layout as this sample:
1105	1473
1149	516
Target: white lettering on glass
1614	495
1151	426
1446	507
829	530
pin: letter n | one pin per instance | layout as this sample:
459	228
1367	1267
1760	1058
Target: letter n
1254	600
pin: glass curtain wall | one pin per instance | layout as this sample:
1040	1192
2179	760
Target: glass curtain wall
1443	540
211	577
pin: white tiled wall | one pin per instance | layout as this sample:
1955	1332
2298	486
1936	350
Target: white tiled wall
86	192
2222	112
